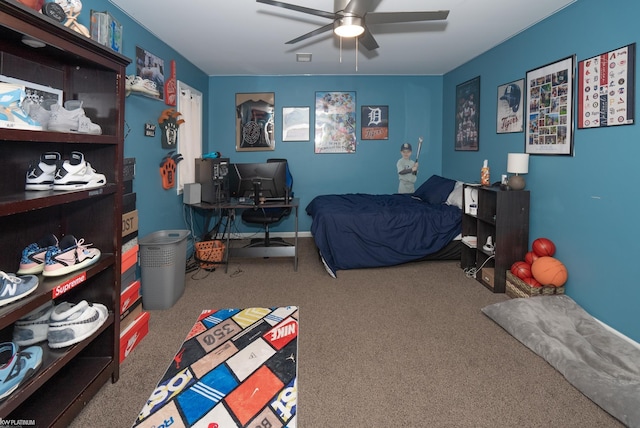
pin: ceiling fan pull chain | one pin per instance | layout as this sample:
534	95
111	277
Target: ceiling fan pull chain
340	50
356	39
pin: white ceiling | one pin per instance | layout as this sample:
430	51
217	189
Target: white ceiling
243	37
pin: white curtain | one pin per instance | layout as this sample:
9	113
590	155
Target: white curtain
189	145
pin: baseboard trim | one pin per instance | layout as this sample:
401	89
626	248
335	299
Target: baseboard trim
620	335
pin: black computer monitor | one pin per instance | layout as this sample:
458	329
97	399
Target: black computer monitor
268	178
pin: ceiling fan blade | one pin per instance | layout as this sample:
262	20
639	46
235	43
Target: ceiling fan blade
391	17
367	40
302	9
359	7
315	32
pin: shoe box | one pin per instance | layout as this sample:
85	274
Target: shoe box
133	333
129	298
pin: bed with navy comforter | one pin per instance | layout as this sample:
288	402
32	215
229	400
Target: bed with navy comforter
356	230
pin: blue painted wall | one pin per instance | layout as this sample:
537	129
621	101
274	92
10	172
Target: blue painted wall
414	110
587	204
158	209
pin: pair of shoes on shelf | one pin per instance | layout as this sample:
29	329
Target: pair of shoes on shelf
11	111
61	325
53	258
51	173
71	118
144	86
16	366
14	287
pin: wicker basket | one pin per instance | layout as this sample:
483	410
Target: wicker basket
518	288
209	253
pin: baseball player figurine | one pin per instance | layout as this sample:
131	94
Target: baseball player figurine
407	170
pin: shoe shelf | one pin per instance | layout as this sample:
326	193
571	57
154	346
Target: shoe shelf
83	70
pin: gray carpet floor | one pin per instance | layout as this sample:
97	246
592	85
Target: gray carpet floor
403	346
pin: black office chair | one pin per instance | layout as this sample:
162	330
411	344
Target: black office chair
267	215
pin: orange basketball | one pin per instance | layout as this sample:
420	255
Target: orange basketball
543	247
521	269
549	271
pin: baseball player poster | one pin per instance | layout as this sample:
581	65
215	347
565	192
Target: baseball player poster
510	117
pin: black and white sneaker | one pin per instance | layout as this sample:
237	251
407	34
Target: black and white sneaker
40	174
77	174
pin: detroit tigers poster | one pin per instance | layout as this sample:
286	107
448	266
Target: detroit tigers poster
375	122
510	117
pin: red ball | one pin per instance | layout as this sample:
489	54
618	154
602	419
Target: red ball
549	271
543	247
521	269
532	282
530	257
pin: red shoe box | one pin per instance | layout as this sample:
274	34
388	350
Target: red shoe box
129	296
129	258
133	335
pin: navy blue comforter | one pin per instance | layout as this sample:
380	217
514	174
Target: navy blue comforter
361	230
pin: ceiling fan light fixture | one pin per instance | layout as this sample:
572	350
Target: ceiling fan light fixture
348	26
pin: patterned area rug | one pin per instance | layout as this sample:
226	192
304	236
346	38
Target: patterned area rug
236	368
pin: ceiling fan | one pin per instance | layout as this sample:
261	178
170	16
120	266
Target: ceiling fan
351	16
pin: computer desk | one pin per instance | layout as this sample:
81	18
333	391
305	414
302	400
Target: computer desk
251	252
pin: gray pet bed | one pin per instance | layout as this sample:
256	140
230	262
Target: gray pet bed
599	363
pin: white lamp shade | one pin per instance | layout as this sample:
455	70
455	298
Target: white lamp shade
349	26
518	163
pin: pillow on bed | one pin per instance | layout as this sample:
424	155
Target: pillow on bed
455	197
435	190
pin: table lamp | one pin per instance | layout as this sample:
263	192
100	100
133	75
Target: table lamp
517	163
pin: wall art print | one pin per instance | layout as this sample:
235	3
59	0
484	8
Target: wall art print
150	68
335	128
375	122
295	123
549	117
255	122
510	105
606	89
468	115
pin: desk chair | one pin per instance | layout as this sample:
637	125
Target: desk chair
267	216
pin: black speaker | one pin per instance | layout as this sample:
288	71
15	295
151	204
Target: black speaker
213	175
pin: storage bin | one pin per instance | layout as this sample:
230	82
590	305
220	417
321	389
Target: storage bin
163	257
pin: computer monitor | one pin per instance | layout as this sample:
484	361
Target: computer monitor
268	178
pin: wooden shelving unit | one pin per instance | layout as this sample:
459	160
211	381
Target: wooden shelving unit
87	71
503	215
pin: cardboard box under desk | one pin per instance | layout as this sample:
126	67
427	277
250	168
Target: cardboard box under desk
488	275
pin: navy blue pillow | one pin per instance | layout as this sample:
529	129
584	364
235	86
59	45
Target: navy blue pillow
435	190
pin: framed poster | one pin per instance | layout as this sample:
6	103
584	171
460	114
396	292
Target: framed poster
254	122
509	111
295	123
606	89
150	68
375	122
549	120
335	128
468	115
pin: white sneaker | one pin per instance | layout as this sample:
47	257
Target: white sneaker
40	175
33	327
71	119
77	174
70	323
40	113
145	86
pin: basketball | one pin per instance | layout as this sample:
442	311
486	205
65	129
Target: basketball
543	247
532	282
530	257
549	271
521	269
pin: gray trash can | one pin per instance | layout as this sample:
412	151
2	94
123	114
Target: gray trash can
163	257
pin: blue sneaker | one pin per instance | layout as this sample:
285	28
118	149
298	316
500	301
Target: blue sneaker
33	256
14	287
16	367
